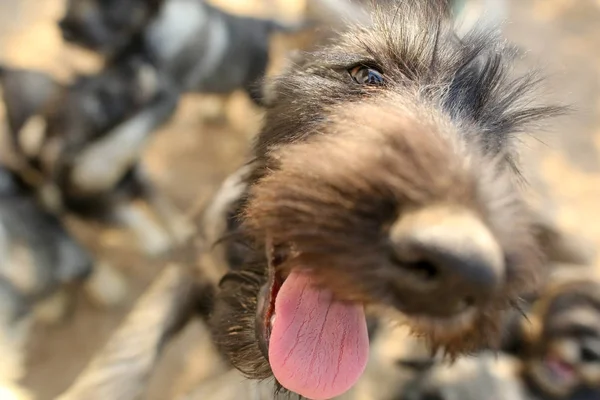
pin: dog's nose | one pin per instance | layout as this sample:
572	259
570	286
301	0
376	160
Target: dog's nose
451	255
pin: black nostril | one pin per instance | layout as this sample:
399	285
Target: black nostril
423	269
454	254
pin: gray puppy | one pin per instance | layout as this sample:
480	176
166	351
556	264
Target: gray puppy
203	48
38	257
79	145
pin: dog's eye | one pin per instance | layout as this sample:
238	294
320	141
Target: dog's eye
366	76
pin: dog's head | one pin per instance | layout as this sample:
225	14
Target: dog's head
106	25
561	350
387	178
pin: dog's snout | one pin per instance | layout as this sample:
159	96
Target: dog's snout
452	254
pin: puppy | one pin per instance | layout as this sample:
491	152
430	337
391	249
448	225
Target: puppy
559	342
80	146
202	48
384	178
38	258
552	355
106	26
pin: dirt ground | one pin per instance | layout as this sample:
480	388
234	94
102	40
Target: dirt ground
190	156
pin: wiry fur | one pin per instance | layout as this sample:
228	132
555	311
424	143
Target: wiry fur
336	163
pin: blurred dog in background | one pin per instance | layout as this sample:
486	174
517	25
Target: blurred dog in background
39	259
79	145
202	48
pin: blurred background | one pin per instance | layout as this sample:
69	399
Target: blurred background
191	155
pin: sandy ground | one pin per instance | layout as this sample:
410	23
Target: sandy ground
189	157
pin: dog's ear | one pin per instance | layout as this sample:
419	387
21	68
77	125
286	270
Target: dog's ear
25	93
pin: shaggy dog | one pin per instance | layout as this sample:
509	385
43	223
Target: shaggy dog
385	177
79	145
385	180
202	48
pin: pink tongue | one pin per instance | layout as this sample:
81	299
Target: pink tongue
318	347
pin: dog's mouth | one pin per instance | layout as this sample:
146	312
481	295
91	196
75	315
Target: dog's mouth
555	373
559	372
317	347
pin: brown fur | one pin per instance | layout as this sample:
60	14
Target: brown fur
337	163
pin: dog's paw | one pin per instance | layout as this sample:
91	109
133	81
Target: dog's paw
106	287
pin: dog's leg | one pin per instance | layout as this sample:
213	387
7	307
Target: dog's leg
15	325
215	113
152	238
106	287
179	228
103	164
231	385
161	207
122	368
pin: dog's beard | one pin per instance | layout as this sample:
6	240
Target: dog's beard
329	201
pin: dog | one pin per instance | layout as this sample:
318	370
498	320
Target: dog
552	355
558	341
79	145
39	258
384	180
361	195
202	48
